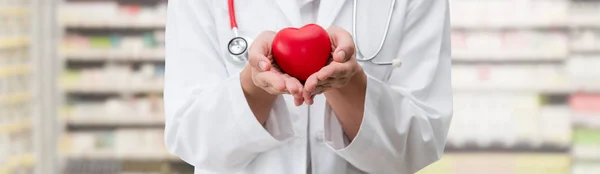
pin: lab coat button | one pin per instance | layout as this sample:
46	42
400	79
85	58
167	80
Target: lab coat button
320	137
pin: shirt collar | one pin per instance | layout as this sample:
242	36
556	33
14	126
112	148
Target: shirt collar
302	3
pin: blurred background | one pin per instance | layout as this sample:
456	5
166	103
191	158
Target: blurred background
81	84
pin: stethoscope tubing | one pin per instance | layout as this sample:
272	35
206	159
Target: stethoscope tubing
232	19
360	56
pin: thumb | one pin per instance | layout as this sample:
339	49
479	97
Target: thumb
340	56
259	50
264	65
343	43
259	62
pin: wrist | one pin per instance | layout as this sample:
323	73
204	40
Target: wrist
357	83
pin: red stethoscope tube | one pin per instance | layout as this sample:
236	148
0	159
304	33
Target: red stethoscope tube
232	22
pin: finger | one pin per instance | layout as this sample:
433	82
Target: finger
310	84
301	88
321	89
298	101
336	70
339	55
259	62
291	87
260	50
311	100
271	80
343	43
327	82
306	95
326	71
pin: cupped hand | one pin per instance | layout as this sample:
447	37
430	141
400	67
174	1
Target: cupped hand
339	72
266	75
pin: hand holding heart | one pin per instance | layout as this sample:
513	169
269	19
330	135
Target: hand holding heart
267	76
340	71
304	53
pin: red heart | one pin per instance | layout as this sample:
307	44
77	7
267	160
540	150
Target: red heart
301	52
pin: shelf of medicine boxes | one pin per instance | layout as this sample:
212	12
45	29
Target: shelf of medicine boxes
19	97
584	23
9	128
117	122
533	25
14	70
566	88
584	121
99	55
502	148
14	11
15	42
115	24
25	160
554	55
585	50
148	157
113	89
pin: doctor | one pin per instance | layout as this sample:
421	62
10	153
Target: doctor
366	118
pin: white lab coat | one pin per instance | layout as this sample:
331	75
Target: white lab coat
406	118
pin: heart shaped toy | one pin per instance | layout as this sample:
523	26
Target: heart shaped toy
301	52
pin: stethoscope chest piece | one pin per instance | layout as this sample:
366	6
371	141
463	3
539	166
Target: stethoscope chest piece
238	48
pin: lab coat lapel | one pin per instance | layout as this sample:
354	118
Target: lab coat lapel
328	12
291	11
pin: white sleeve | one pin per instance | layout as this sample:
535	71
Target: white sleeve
406	120
208	121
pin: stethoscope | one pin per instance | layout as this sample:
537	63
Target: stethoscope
238	46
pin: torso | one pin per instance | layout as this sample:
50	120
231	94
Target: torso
256	16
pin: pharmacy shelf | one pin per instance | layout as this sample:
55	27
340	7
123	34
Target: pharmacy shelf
15	98
498	148
584	24
12	70
25	160
484	25
586	121
586	152
585	50
545	89
139	157
15	42
114	55
115	24
10	128
112	89
548	56
14	11
114	123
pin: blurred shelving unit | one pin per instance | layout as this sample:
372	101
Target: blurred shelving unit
18	135
525	86
20	121
112	85
524	72
583	67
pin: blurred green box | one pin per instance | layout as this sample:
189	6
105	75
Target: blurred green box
500	163
100	42
586	137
